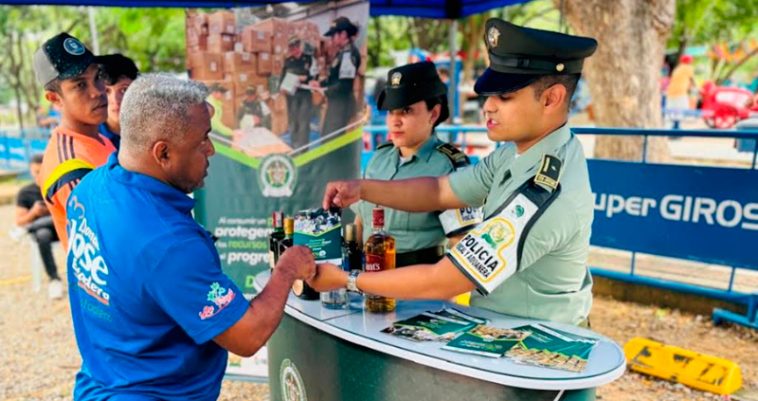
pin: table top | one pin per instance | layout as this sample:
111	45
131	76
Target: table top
606	362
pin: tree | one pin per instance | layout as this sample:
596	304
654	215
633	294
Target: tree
624	72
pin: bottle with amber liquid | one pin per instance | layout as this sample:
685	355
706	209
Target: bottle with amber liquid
379	252
274	238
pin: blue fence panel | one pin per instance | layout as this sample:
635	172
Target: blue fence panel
706	214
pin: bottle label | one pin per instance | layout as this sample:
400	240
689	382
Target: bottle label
374	263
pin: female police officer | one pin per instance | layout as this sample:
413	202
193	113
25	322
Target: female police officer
528	257
416	101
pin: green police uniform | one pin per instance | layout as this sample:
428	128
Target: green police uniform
412	231
341	105
528	258
420	237
552	281
299	103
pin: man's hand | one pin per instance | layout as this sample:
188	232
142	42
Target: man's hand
328	277
299	261
341	193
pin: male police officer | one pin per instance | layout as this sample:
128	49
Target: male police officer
338	86
527	258
299	103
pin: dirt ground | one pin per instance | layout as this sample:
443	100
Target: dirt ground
40	359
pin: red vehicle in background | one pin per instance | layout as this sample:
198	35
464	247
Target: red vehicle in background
722	107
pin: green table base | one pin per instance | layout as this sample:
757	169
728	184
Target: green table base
331	369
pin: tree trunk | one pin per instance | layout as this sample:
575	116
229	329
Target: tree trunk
624	72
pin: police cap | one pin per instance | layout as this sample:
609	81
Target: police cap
520	56
412	83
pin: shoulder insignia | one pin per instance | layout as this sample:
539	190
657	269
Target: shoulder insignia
385	145
458	158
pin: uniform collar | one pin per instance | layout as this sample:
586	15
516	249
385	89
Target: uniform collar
548	145
425	151
164	192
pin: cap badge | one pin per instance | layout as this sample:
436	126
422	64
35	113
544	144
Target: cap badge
73	47
560	67
395	79
492	36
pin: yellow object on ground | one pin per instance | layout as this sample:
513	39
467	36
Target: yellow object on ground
703	372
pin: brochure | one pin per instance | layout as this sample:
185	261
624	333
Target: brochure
487	341
428	327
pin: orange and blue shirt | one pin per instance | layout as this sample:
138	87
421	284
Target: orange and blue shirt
69	156
146	290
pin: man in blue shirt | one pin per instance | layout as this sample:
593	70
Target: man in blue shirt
153	313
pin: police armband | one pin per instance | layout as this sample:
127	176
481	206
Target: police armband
458	221
491	252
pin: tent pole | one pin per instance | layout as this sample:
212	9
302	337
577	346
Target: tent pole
93	30
453	81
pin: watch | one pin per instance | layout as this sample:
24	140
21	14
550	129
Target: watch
352	281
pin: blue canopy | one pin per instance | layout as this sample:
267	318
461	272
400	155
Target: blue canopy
449	9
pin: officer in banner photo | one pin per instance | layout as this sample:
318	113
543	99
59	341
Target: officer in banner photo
296	72
528	257
416	101
341	105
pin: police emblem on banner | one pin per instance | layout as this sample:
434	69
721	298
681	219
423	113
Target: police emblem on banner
291	382
277	176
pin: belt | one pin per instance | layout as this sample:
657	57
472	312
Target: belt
422	256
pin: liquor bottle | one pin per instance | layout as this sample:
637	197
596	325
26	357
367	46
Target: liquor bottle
286	242
352	259
274	238
380	256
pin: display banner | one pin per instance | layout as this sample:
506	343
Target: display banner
708	214
288	115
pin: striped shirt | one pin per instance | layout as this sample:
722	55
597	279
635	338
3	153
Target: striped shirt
69	156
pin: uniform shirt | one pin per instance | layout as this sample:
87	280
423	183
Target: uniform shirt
112	136
342	72
146	291
412	231
68	157
299	66
217	125
553	282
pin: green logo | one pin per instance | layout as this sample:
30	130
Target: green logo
519	210
277	176
497	233
292	385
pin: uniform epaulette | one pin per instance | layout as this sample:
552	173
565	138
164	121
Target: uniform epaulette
458	158
384	145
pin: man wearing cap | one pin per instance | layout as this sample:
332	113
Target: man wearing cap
71	77
416	102
297	69
119	71
527	258
338	85
254	108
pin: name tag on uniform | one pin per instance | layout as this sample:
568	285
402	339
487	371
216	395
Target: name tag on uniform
488	254
457	221
347	68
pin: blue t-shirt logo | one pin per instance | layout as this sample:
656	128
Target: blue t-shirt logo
221	298
87	263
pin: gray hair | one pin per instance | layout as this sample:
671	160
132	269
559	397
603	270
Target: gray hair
156	107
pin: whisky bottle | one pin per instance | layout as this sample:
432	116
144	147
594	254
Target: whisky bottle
380	256
274	238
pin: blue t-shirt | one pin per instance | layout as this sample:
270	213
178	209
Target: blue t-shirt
147	291
112	136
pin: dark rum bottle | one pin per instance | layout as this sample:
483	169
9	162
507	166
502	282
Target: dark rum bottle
274	238
380	256
299	287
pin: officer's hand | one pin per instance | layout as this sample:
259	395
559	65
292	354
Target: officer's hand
298	260
328	277
341	193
